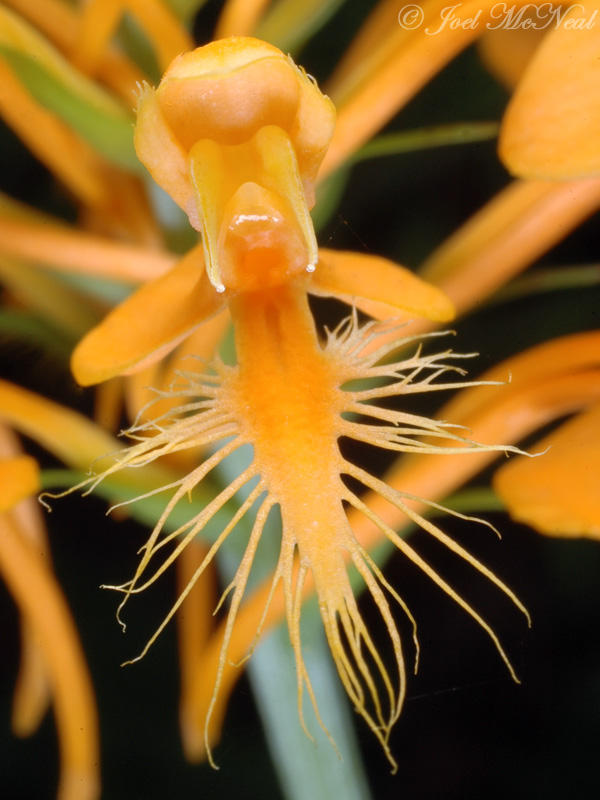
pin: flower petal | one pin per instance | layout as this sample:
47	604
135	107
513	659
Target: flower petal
41	238
60	23
290	24
550	129
377	286
239	17
506	235
50	140
380	23
140	388
108	404
149	324
65	433
19	478
97	23
162	27
574	354
32	687
388	64
558	493
40	599
506	53
32	695
99	19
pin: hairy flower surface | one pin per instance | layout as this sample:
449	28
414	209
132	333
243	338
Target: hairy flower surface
240	155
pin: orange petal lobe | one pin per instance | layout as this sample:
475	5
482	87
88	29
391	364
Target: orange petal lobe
377	286
19	477
558	493
550	129
148	324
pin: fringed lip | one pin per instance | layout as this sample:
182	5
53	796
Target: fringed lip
290	397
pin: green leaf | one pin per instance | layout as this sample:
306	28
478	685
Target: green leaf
307	770
45	293
108	291
474	500
107	128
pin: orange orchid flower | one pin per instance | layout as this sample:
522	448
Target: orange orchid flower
244	172
519	225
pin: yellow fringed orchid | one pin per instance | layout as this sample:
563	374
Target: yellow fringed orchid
523	221
236	132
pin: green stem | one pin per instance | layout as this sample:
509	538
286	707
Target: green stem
550	280
425	138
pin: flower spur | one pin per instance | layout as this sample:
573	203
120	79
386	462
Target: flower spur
235	133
